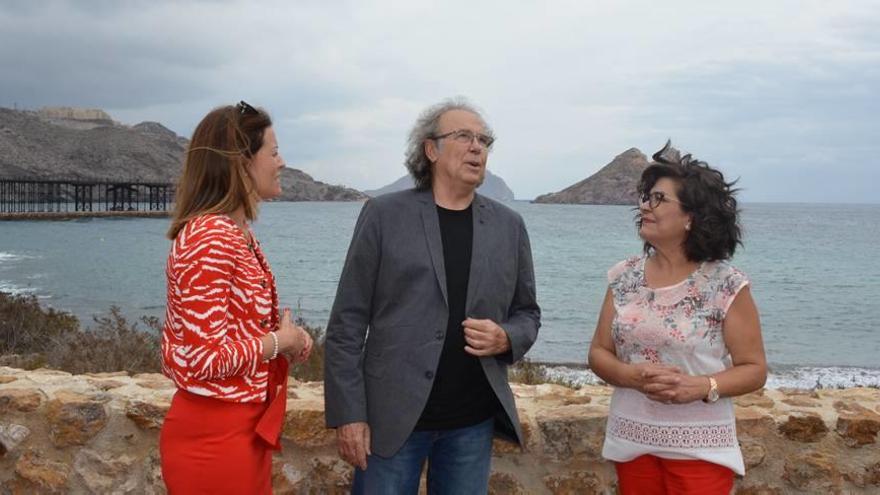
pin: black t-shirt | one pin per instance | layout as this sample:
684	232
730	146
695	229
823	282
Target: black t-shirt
461	395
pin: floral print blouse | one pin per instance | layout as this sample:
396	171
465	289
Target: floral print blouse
680	325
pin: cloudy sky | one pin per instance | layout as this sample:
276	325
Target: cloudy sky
782	94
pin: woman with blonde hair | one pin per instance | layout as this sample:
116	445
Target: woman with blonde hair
225	345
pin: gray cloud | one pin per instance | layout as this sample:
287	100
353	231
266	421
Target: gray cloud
770	96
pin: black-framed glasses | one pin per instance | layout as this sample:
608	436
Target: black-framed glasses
655	198
465	136
244	108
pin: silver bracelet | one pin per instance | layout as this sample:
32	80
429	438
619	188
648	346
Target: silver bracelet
274	346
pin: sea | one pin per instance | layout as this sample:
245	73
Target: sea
814	271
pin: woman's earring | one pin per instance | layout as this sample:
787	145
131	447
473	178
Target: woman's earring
687	226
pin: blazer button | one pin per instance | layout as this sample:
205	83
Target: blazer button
264	322
263	283
440	335
429	375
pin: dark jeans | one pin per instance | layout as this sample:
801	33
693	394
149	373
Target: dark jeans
458	463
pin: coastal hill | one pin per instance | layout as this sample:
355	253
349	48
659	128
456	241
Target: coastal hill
614	184
88	144
493	187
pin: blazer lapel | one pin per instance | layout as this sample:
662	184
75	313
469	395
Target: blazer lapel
431	222
479	250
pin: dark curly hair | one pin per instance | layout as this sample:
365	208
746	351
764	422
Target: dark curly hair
704	194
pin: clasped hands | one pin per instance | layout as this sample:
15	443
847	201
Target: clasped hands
293	340
667	383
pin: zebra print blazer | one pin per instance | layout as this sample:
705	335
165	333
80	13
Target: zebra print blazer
221	299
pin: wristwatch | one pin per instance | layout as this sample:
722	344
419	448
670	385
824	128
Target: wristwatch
712	396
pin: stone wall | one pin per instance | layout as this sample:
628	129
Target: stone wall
97	433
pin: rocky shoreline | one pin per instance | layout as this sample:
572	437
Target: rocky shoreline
98	433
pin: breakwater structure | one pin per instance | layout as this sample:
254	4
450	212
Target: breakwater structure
98	433
32	198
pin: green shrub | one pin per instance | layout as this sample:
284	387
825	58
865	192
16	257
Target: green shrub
313	369
26	327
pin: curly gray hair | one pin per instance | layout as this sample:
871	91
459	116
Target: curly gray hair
426	126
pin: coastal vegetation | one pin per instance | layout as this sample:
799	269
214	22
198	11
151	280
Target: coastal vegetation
33	336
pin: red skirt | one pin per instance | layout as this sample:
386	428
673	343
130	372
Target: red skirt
213	446
652	475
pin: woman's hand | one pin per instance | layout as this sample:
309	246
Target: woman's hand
658	376
674	387
292	340
303	355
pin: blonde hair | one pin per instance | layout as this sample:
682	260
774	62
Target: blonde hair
214	177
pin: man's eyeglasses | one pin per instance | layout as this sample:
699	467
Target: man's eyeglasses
655	198
464	136
244	108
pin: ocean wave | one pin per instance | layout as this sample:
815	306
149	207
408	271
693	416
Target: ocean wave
804	377
15	290
7	257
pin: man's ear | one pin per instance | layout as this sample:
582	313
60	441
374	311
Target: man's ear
431	150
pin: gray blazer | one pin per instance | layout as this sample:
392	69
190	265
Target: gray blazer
388	322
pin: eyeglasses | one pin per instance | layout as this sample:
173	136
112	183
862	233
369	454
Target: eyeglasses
465	136
244	108
655	198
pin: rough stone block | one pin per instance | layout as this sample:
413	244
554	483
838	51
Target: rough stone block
804	392
802	401
756	399
505	447
38	474
19	399
327	475
812	471
147	415
872	474
74	419
753	453
858	429
574	483
754	423
153	381
105	384
11	436
568	431
505	484
107	472
759	489
804	428
306	428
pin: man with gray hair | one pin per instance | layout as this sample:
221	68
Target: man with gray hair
435	301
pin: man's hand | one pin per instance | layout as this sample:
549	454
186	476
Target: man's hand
353	442
484	338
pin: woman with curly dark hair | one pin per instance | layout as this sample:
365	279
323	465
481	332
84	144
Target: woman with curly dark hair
678	336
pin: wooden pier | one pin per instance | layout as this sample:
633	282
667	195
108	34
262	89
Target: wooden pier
29	199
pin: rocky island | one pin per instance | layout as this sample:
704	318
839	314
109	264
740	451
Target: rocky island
614	184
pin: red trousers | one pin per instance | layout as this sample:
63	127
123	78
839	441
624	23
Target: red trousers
210	446
651	475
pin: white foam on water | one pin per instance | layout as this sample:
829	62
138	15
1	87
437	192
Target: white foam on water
6	285
6	257
15	290
808	377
